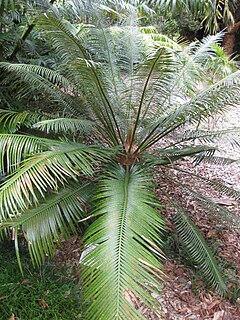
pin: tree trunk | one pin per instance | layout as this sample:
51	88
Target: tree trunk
230	39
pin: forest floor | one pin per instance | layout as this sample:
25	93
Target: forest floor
184	294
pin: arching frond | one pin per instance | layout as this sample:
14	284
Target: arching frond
210	11
214	160
12	120
84	72
215	99
199	251
169	156
15	148
59	214
153	39
26	78
213	183
222	215
125	240
208	135
65	125
43	171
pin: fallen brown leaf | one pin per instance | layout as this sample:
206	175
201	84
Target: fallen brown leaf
43	304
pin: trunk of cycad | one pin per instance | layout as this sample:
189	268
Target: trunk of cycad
130	147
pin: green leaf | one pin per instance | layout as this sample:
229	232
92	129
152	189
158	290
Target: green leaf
14	148
199	251
46	170
126	241
43	225
168	156
26	78
64	125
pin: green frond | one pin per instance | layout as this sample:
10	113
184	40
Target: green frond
199	251
12	120
65	125
26	78
14	148
123	245
214	160
207	135
230	192
215	99
153	39
222	215
168	156
172	99
43	225
85	72
45	171
152	84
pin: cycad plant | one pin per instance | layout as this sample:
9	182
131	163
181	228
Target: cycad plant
123	119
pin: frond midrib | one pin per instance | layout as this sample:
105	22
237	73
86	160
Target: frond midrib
121	240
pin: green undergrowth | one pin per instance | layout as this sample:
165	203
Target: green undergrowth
45	293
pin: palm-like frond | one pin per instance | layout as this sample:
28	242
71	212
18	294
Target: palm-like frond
15	148
41	225
45	170
65	125
214	100
208	135
125	239
210	11
12	120
199	251
170	94
215	184
214	159
28	78
168	156
84	71
221	214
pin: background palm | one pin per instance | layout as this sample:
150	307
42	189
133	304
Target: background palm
130	107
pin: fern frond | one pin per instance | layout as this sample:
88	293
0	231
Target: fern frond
123	259
15	148
168	156
199	251
43	225
213	183
84	72
214	160
29	78
65	125
224	216
13	120
207	135
43	171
